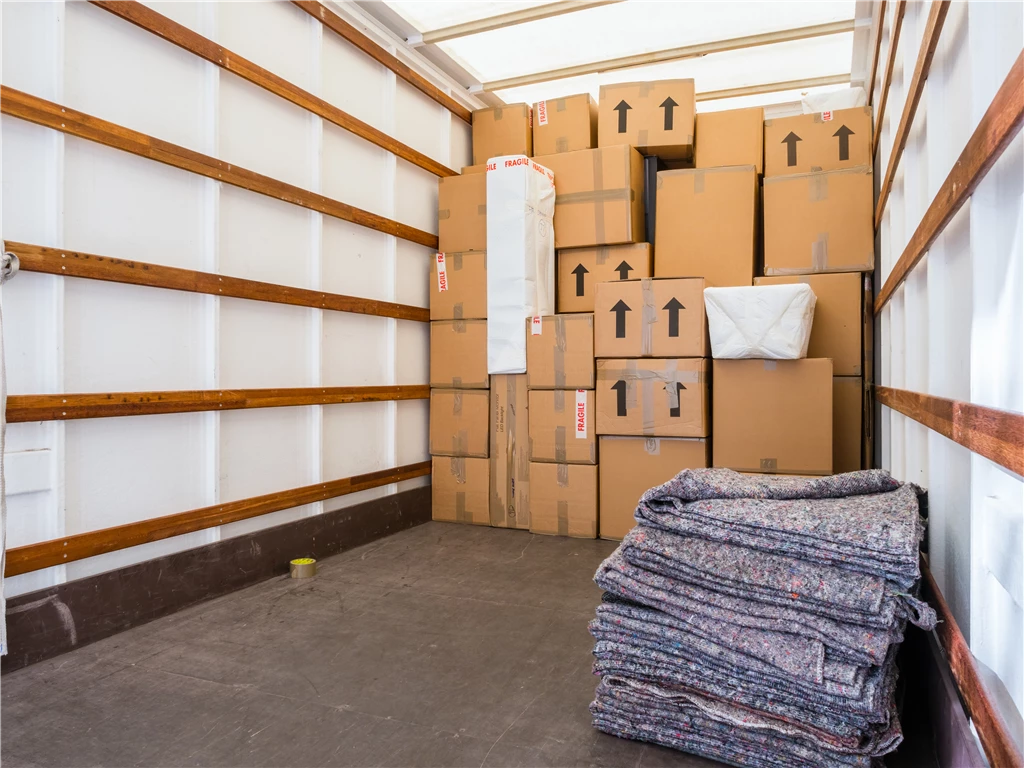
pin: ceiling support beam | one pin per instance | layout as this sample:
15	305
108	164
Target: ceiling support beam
674	54
503	20
786	85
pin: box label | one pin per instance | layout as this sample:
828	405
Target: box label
542	113
535	326
442	274
826	117
581	414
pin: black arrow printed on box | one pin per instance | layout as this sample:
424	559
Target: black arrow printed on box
620	399
580	271
620	310
679	388
624	269
621	108
668	105
844	135
673	308
791	140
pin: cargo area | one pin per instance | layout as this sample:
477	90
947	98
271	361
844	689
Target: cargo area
433	383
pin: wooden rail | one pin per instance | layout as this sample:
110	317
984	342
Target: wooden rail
41	112
32	557
993	732
346	31
102	405
999	125
183	37
929	41
890	63
995	434
60	261
876	54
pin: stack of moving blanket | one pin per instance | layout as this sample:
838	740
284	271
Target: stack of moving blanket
755	620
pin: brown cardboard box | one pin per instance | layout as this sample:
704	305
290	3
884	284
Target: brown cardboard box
730	137
707	225
580	269
666	398
561	356
510	452
632	465
819	222
565	125
500	131
462	213
655	117
599	196
458	354
823	141
847	423
838	326
564	500
651	318
468	169
773	416
458	490
562	426
458	286
458	422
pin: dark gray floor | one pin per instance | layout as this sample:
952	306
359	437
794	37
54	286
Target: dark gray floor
444	645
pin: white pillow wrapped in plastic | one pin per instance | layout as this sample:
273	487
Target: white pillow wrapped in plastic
767	322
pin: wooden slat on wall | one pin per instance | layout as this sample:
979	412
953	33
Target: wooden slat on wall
929	41
101	405
41	112
999	125
69	548
993	732
879	27
59	261
890	63
183	37
346	31
995	434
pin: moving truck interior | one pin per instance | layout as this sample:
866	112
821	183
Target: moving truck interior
518	383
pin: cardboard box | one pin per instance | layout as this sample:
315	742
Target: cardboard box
560	352
565	125
564	500
730	137
823	141
462	213
847	423
562	426
580	269
458	354
707	225
655	117
773	416
458	490
458	286
632	465
662	398
819	222
651	318
838	325
468	169
500	131
458	422
510	452
599	196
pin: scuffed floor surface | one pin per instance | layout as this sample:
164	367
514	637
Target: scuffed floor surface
444	645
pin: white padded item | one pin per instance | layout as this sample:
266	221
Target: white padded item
768	322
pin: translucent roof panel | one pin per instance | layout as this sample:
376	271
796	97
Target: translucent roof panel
427	15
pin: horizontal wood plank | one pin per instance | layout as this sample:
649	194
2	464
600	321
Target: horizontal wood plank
183	37
990	432
999	125
890	63
72	122
67	549
346	31
102	405
993	731
929	42
59	261
877	52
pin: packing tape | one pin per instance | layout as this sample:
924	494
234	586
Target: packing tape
593	451
498	113
698	182
648	316
454	261
770	365
562	475
560	444
511	441
444	213
817	119
598	207
671	390
561	144
456	403
815	169
641	137
460	443
559	400
595	196
644	89
652	446
660	182
458	469
458	310
563	518
461	513
647	410
602	254
481	210
559	105
817	188
459	326
302	568
770	465
819	253
457	382
558	351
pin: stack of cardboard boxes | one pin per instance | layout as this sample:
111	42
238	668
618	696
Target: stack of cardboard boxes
619	393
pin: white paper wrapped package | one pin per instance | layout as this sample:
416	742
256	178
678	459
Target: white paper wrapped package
520	256
769	322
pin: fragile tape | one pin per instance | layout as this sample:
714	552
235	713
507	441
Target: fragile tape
648	316
558	351
563	518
